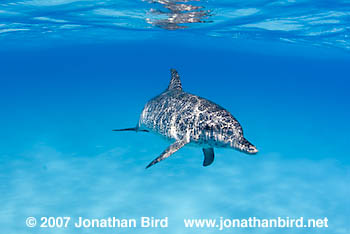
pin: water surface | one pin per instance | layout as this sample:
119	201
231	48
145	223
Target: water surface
71	71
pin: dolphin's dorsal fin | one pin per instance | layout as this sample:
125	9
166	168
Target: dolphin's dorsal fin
175	82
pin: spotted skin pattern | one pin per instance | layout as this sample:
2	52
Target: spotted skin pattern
188	118
182	116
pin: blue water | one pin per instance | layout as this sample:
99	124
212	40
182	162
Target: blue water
71	71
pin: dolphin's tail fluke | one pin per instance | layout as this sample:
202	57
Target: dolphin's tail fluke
136	129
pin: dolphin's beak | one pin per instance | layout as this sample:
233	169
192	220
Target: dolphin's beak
245	146
252	149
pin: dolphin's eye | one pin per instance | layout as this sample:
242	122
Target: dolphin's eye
207	127
213	128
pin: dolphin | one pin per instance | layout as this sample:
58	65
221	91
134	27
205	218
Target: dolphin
190	119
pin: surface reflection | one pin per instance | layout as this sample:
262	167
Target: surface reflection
173	14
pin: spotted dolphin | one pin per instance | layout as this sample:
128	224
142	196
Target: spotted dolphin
187	118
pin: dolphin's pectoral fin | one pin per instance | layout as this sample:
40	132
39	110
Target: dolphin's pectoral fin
208	156
136	129
169	151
